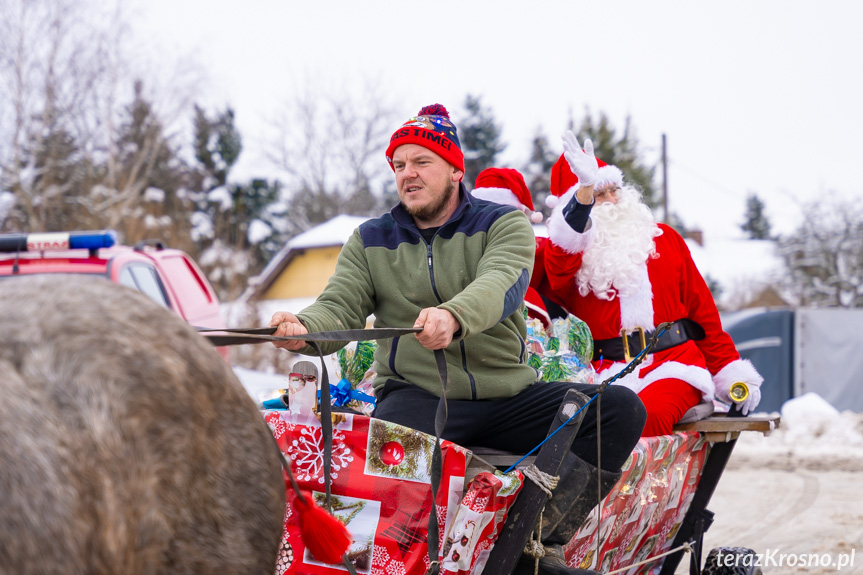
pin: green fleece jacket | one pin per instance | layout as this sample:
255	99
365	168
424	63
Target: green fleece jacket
477	266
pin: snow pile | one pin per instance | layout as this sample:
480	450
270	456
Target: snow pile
813	434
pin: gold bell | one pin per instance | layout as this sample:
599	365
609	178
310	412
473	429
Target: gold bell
738	392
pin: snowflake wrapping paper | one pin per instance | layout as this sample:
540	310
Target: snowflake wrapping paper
645	509
381	490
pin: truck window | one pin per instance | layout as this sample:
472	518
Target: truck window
145	279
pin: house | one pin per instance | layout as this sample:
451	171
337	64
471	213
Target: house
300	271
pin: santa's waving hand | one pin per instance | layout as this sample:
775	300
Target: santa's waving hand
582	162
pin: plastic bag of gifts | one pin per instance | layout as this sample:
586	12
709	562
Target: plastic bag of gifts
354	388
562	352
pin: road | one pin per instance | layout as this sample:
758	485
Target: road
784	502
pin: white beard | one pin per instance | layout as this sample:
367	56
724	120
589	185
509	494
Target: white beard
613	262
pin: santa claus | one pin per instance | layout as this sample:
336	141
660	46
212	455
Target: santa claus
613	266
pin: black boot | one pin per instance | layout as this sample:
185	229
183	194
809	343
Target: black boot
575	496
573	499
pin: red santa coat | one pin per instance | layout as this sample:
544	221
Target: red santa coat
672	289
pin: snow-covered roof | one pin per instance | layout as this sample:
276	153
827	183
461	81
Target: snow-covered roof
334	232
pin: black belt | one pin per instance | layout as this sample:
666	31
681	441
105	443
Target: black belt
627	346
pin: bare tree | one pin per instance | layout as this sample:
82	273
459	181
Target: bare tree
49	67
65	153
825	255
331	148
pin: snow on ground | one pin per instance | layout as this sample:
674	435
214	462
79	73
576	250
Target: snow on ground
812	435
801	512
261	386
796	491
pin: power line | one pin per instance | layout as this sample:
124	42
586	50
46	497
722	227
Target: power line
704	179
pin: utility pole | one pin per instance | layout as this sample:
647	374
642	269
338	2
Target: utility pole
665	217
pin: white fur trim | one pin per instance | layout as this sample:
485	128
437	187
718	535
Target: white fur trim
609	175
636	309
552	201
734	371
559	231
697	377
536	217
540	311
503	196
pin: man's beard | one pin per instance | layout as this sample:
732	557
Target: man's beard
431	211
622	241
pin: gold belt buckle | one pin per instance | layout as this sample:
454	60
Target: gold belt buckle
626	355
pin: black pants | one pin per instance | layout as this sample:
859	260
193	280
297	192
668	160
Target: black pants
518	424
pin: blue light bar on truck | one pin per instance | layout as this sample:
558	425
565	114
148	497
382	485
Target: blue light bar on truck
10	243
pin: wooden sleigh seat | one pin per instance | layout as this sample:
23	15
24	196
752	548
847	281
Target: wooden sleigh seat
722	428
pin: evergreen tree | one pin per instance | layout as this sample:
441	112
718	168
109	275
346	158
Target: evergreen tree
236	224
537	172
252	223
142	184
479	135
58	174
756	225
218	145
714	286
620	150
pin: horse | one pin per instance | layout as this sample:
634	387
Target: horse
127	444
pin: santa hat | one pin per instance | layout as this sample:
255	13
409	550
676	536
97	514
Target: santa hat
505	186
562	179
431	129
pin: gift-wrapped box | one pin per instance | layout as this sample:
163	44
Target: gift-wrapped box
356	372
478	521
381	490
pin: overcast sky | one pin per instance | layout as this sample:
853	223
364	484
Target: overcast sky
753	96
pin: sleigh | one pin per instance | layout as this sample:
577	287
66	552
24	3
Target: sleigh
381	489
485	510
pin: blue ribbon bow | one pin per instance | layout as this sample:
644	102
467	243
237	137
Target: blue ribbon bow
342	393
